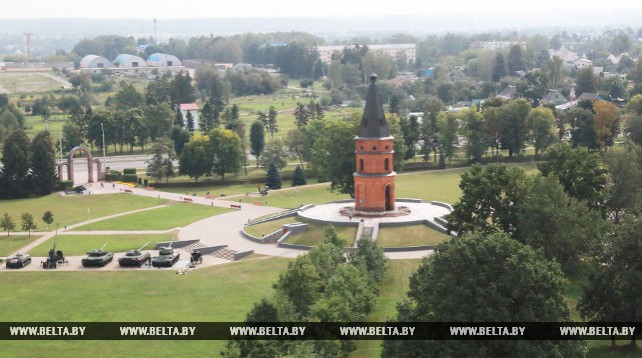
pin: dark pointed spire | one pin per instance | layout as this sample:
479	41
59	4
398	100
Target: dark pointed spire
373	123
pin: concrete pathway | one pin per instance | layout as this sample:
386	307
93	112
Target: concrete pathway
223	229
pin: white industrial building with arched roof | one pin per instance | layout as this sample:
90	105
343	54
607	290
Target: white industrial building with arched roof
130	61
94	61
163	60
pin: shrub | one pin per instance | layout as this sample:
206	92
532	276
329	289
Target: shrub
129	171
67	184
130	178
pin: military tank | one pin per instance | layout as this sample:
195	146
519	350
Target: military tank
135	258
98	257
167	257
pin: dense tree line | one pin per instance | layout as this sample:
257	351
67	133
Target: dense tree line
322	286
28	166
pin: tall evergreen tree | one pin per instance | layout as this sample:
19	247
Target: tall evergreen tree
16	161
190	121
257	140
273	180
43	163
298	178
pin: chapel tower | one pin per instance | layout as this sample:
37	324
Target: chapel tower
374	180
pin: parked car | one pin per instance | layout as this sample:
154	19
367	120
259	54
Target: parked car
166	257
18	260
135	258
98	257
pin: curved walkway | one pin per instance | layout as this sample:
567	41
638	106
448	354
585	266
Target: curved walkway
222	229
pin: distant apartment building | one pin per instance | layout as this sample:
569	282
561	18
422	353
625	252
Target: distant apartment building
409	50
498	45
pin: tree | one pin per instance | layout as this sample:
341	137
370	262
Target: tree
607	123
43	163
71	137
298	178
158	119
208	118
635	104
585	81
7	223
542	128
301	284
555	71
257	140
195	160
48	218
27	223
333	155
189	119
624	187
272	126
514	128
275	153
16	161
499	68
490	199
580	172
485	278
476	140
582	127
273	179
563	227
128	97
634	129
613	292
370	256
181	89
163	150
180	137
447	134
226	151
515	60
301	115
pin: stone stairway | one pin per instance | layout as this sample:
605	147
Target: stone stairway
367	231
222	253
226	254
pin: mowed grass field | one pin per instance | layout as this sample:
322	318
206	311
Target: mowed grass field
411	235
73	209
76	245
169	217
223	293
9	244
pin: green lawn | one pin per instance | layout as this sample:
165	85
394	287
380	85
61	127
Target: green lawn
313	236
9	245
295	197
411	235
176	215
316	234
393	288
28	82
73	209
223	293
75	245
269	226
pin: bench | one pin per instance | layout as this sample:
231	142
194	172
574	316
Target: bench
128	191
258	203
210	196
188	199
150	188
235	206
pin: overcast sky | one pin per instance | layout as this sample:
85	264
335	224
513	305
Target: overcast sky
185	9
